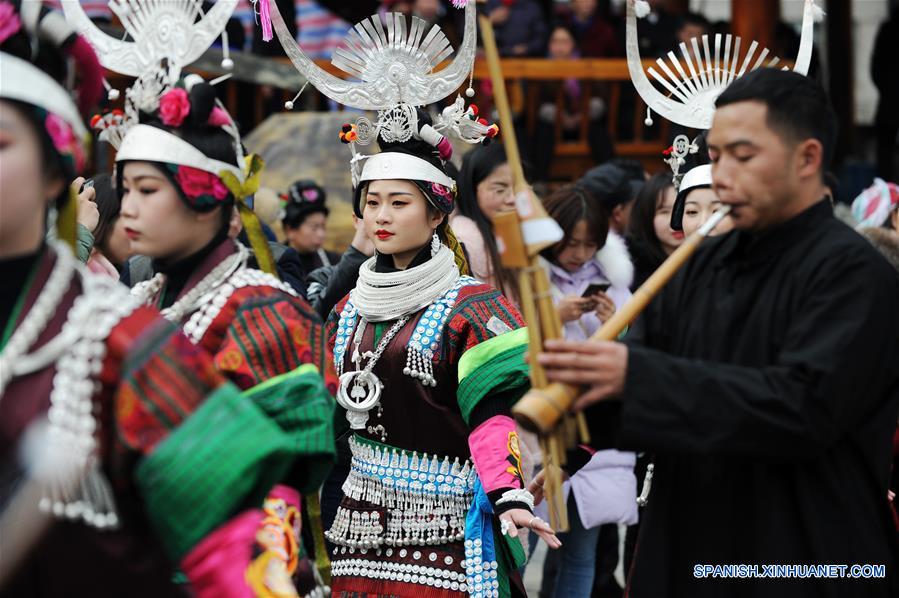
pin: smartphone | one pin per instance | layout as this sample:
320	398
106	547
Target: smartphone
593	289
88	184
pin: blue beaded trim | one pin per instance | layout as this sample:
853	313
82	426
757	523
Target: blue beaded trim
425	342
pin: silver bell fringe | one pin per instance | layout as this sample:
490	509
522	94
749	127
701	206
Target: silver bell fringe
424	499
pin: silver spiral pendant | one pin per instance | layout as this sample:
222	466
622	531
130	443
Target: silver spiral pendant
358	393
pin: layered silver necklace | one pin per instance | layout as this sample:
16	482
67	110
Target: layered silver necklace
193	299
382	297
69	468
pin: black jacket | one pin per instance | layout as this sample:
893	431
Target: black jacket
328	285
764	378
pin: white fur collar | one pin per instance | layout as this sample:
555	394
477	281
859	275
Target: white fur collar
616	261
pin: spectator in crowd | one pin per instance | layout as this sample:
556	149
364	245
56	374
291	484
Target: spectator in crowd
692	25
877	206
87	219
590	280
562	106
484	189
305	220
616	190
594	35
111	246
696	202
520	27
650	236
883	73
634	169
329	284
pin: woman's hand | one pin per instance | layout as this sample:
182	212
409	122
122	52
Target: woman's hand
514	519
536	485
604	306
360	240
572	307
88	213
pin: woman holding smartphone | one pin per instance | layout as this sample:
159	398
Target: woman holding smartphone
585	296
590	273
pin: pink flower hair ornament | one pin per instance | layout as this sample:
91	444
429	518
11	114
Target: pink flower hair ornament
442	191
61	134
174	107
9	21
202	190
442	197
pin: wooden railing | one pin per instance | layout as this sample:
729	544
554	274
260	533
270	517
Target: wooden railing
609	79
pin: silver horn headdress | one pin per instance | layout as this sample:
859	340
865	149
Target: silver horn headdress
691	88
166	36
395	67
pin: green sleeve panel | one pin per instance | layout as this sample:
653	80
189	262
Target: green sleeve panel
227	455
304	410
496	365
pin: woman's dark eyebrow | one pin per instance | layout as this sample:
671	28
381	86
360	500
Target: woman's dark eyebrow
392	193
145	176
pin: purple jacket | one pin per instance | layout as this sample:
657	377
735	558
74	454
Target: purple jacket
566	283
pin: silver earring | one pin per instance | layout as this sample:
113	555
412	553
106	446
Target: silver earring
435	244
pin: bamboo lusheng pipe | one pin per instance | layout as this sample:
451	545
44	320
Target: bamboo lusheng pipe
513	156
541	408
522	253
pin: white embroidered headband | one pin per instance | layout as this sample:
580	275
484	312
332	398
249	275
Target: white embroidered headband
395	165
24	82
701	176
151	144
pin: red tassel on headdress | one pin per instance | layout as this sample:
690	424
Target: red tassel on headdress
265	19
445	148
90	90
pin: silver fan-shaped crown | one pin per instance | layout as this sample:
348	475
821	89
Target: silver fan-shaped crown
394	64
167	36
161	29
709	70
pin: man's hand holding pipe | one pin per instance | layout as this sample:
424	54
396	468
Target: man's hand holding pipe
600	366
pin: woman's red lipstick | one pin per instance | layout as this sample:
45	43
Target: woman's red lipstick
678	234
132	234
383	234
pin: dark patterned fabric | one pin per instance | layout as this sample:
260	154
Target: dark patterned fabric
426	420
152	379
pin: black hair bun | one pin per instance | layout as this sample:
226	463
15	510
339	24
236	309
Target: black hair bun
40	50
202	101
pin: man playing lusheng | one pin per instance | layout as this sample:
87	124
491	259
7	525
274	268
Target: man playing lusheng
764	377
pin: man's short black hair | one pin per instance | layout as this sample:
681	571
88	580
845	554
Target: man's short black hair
798	107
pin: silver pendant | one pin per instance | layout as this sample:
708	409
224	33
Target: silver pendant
364	394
